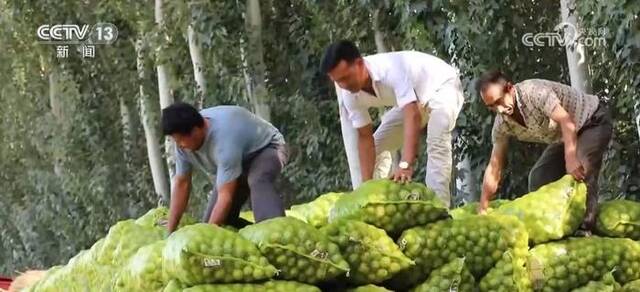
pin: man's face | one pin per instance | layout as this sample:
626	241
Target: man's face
350	76
498	98
192	141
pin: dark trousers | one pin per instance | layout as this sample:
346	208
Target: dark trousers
257	181
593	139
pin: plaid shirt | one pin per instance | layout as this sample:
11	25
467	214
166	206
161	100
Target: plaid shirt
536	99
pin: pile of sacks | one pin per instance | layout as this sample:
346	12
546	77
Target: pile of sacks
382	236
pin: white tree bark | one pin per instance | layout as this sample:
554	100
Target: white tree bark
56	110
154	153
576	52
638	117
256	60
350	141
198	65
127	127
465	182
378	35
245	72
166	99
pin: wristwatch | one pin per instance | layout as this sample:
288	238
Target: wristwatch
404	165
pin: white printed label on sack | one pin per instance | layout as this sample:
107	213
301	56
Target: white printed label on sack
211	263
323	255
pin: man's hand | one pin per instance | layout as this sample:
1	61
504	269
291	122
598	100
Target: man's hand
483	206
403	175
223	203
493	173
179	200
575	168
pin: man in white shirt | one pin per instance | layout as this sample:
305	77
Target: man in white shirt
422	90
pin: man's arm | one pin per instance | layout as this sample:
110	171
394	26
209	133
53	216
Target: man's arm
412	121
179	199
570	138
366	152
493	173
223	203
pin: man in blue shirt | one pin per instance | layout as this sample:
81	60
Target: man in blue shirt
243	151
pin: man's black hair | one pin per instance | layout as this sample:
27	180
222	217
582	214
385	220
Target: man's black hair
180	118
336	52
489	77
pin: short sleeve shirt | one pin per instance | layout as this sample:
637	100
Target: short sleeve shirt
234	134
537	99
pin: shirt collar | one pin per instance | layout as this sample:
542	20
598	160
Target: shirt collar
520	105
375	78
372	71
207	138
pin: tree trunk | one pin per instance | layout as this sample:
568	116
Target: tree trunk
576	52
198	65
56	109
256	61
165	95
158	172
638	117
465	185
350	141
378	35
128	135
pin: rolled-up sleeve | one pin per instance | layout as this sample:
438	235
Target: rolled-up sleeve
183	164
357	114
402	86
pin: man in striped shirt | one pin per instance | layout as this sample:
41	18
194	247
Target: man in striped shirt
575	125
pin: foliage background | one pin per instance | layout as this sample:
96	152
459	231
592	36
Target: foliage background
67	175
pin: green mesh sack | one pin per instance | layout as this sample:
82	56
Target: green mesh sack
174	286
85	258
270	286
315	212
453	276
509	274
606	284
70	279
298	250
552	212
46	282
144	270
372	255
391	206
572	263
619	218
204	253
159	216
123	240
369	288
633	286
247	215
480	239
471	209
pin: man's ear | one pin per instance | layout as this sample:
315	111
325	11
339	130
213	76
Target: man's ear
359	62
508	86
